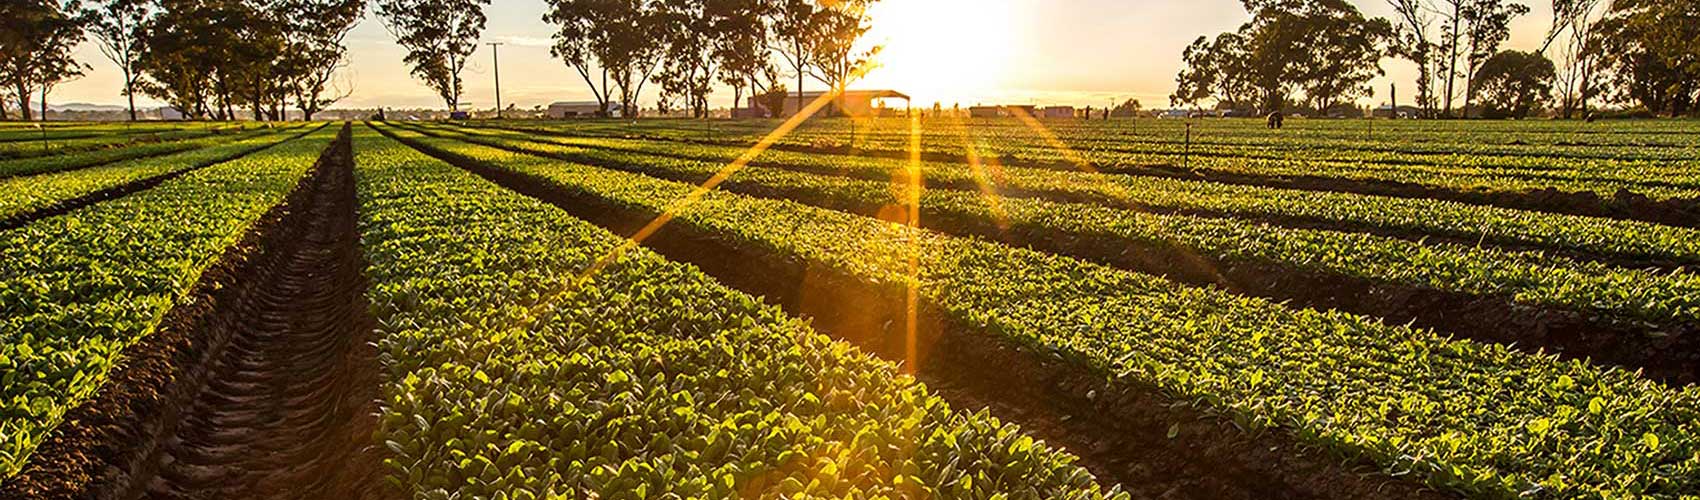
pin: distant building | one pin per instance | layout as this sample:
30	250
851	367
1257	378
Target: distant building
851	102
1057	112
573	109
1008	110
1385	111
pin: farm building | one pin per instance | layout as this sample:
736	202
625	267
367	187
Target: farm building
1385	111
853	102
1007	110
570	109
1057	112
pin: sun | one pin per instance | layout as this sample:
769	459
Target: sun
943	50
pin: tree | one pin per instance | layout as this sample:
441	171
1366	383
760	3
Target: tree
1474	29
1215	69
36	48
1128	108
182	46
315	51
1490	26
439	36
1648	46
1411	41
1326	48
1514	83
616	37
1573	23
689	32
1344	55
794	36
741	50
839	26
117	25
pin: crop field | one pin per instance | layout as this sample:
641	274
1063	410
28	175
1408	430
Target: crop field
851	308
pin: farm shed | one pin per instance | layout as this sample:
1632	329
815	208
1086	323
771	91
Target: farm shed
570	109
852	102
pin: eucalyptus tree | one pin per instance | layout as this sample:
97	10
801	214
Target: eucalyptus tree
439	36
1474	30
1514	84
689	30
618	43
1411	40
1324	48
741	47
117	25
1573	23
836	57
315	34
36	48
1649	48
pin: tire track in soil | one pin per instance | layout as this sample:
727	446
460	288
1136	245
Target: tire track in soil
288	407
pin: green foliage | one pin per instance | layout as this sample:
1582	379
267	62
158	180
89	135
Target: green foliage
1528	277
76	290
1422	216
510	374
1475	417
27	194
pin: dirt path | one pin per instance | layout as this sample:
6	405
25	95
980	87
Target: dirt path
287	409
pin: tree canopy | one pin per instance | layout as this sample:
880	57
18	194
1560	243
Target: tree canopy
1317	53
1513	84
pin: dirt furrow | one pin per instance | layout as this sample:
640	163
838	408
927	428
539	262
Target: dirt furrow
287	408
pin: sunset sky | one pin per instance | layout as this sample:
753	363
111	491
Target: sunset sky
1079	52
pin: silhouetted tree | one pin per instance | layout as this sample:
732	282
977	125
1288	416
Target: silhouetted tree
1474	29
439	36
1411	41
1573	24
118	26
315	51
1325	48
36	48
621	39
839	26
1649	47
1514	84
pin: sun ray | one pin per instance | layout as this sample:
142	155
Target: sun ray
911	309
985	178
726	172
1050	137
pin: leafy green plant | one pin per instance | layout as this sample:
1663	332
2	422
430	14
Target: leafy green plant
1480	418
78	289
512	373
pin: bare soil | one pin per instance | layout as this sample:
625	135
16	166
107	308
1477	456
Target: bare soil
261	385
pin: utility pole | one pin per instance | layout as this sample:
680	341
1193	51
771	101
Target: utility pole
496	60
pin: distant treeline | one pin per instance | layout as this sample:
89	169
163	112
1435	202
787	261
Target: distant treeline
1318	55
686	46
206	58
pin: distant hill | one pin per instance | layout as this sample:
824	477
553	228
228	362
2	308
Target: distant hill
83	106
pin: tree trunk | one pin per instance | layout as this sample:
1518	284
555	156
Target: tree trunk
1452	57
23	101
130	92
1469	87
799	53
